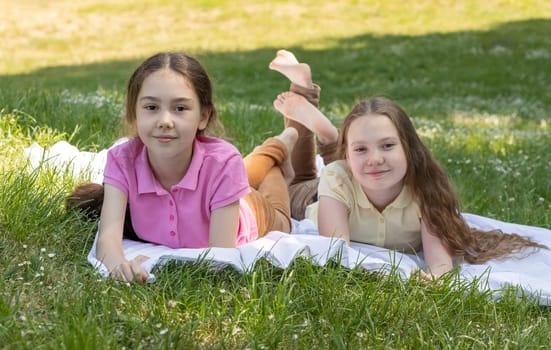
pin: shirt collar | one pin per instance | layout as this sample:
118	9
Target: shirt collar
404	198
191	179
147	183
363	201
145	179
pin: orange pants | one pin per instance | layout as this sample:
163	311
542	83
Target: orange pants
269	197
273	205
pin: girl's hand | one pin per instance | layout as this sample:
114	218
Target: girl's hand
426	278
422	276
131	270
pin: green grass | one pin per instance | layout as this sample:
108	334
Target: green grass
472	74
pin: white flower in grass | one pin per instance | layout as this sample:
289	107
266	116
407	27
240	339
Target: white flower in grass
538	53
51	255
498	50
295	336
541	199
163	331
476	51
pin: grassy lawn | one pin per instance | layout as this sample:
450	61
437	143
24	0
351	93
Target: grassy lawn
473	74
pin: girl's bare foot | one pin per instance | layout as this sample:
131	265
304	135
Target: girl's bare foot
297	108
285	57
287	64
289	137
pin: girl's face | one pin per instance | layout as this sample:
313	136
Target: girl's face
168	115
375	156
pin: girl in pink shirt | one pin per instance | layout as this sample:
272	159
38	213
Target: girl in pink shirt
182	188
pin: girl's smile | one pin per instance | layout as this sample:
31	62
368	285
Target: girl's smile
377	173
164	138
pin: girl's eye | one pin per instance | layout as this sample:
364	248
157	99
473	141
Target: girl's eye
150	107
359	149
181	108
388	146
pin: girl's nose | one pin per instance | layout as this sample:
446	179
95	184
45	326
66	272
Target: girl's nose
375	158
165	120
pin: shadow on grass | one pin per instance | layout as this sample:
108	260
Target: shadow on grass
499	71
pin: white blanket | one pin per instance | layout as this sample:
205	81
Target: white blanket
531	273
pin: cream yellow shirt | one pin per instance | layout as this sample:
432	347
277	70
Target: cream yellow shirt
397	227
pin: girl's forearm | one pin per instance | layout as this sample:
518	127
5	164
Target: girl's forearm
438	259
110	252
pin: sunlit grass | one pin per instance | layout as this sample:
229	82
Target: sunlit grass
65	32
470	73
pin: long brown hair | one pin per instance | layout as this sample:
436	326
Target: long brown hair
431	187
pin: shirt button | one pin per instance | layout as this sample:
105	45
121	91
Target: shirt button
172	233
171	217
171	203
174	190
381	220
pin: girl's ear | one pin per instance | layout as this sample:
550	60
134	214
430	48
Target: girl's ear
205	117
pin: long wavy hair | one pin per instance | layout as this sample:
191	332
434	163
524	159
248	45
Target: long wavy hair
431	187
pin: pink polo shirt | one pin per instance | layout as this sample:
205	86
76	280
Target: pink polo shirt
180	218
